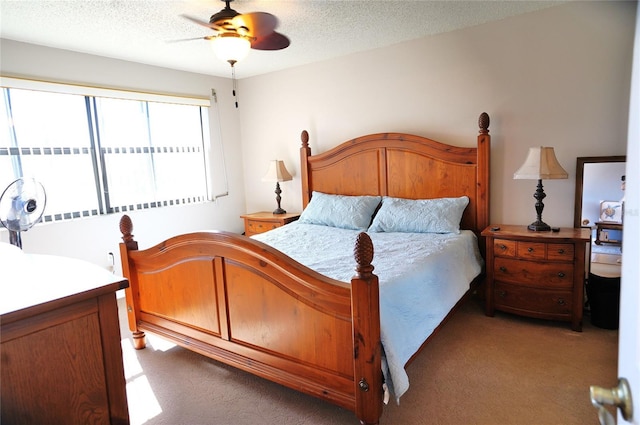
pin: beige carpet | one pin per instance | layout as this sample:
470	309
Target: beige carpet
476	370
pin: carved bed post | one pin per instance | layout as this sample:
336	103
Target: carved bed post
484	166
365	307
132	302
305	153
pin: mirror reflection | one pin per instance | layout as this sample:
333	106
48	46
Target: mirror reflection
599	206
602	183
598	178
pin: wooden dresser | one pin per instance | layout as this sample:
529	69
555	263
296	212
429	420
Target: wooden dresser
61	358
537	274
262	221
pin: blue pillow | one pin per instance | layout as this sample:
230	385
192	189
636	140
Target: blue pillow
440	215
345	212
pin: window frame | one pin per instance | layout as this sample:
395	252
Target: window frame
97	152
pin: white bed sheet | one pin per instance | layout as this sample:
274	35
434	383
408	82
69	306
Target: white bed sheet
416	293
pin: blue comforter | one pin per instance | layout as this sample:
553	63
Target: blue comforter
416	293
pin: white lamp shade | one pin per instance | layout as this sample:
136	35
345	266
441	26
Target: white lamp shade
277	172
231	47
541	164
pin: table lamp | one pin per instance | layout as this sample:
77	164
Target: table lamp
541	163
277	173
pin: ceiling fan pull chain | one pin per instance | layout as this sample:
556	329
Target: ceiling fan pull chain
235	83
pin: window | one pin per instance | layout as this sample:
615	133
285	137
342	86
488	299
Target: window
99	153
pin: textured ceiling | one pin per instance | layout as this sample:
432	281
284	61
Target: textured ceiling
142	30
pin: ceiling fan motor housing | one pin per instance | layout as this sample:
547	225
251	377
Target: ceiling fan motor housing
224	17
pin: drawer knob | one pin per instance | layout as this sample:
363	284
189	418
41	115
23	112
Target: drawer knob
560	274
561	251
530	249
502	293
561	301
503	247
503	269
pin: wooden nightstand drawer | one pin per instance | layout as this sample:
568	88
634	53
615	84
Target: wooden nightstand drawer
532	250
534	273
560	252
504	247
533	301
254	226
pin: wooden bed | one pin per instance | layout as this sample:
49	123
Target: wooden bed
241	302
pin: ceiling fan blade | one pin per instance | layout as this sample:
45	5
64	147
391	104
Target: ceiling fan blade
180	40
258	24
203	23
273	41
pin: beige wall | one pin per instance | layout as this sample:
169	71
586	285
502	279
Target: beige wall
558	77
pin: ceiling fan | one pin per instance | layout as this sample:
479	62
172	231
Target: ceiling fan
255	30
237	33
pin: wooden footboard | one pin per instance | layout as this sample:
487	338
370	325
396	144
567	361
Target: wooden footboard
241	302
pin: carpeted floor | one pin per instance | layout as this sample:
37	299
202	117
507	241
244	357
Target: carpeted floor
505	370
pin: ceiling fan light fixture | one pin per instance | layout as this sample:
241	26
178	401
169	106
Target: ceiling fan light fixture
231	47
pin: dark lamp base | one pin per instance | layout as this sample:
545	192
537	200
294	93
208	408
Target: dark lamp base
278	199
539	226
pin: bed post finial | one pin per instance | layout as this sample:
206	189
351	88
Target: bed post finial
483	122
305	153
126	227
363	253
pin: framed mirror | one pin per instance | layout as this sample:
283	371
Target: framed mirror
598	178
598	206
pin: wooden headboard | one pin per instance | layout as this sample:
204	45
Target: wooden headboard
404	166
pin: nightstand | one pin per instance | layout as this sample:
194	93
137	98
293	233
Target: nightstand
262	221
537	274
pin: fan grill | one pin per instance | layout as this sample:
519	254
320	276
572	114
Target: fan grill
21	207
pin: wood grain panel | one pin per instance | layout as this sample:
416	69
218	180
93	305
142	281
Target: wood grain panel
531	250
415	176
61	366
353	174
184	292
262	314
504	248
533	302
560	252
534	273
